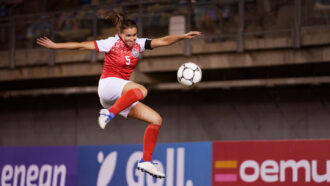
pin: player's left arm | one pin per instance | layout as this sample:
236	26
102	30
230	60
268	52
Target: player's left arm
168	40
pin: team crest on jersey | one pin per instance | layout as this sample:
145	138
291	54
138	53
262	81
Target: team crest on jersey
135	53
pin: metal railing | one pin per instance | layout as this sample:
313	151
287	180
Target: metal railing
235	20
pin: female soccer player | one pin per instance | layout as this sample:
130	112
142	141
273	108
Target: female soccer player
117	94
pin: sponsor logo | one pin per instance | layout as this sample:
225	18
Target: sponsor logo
107	168
137	178
44	175
271	171
184	164
222	165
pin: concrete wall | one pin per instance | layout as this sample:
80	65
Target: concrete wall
198	115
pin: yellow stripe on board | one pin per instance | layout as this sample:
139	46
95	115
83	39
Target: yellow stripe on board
225	164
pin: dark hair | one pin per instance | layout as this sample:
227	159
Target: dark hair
120	20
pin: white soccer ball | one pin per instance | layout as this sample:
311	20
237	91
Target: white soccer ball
189	74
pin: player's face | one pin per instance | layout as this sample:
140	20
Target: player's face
129	36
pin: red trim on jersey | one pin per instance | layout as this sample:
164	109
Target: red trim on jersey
96	47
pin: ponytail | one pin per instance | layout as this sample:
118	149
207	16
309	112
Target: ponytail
120	20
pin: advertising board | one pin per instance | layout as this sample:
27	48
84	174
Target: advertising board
294	162
185	164
42	166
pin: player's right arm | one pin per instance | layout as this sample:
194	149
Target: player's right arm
46	42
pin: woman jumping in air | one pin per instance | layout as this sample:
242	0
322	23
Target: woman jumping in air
117	94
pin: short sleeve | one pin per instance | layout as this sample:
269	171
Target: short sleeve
104	45
142	42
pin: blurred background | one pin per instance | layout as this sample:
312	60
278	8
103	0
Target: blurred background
266	71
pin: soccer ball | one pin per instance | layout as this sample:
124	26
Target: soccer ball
189	74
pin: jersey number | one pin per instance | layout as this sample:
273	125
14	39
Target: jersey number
128	60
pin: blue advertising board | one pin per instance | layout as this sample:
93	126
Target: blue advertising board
42	166
185	164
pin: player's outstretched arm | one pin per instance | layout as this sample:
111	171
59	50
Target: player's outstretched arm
168	40
46	42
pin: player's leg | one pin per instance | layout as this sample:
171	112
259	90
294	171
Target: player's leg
143	112
129	93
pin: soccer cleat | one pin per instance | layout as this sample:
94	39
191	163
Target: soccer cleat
150	168
105	117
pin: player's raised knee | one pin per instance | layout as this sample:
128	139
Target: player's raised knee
158	120
144	91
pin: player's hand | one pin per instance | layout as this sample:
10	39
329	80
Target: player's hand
46	42
192	34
